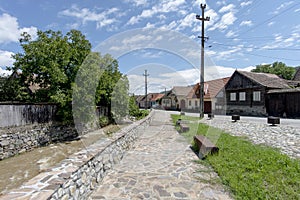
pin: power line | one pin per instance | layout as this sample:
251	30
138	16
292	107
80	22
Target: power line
259	48
269	19
277	58
265	56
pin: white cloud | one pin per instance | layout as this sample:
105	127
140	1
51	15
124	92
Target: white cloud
271	23
214	17
137	2
170	26
246	23
282	6
179	78
162	7
226	20
6	59
297	10
230	34
246	3
102	19
187	21
10	30
228	8
197	3
219	3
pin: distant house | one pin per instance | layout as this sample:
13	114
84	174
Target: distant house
138	99
155	99
211	90
149	101
246	92
175	99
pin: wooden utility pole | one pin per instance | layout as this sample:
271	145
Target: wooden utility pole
203	6
146	74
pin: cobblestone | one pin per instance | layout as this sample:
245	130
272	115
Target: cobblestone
161	165
284	137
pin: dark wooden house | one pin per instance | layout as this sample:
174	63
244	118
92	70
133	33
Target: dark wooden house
284	103
246	92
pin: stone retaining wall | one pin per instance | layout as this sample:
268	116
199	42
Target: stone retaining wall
15	140
77	176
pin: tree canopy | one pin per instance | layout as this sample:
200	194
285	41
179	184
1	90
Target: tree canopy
51	63
277	68
61	66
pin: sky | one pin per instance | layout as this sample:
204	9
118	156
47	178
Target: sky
161	36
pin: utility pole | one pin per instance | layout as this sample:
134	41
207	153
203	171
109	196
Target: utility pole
146	74
203	6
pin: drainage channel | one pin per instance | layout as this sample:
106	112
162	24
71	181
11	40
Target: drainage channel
16	170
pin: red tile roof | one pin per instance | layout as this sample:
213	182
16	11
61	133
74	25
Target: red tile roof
211	88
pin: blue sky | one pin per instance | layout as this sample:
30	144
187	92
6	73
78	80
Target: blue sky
242	34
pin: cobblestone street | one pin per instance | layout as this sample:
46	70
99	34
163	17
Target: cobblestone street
160	166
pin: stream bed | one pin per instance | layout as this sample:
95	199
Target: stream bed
16	170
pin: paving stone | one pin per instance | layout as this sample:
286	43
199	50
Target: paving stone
159	166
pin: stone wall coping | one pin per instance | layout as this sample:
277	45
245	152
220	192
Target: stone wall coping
46	183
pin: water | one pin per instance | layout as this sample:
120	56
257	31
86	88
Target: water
18	169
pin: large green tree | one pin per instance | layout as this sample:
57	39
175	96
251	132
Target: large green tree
278	68
51	61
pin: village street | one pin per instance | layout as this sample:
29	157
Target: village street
161	165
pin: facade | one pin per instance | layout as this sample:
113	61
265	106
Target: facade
284	103
151	100
175	99
212	102
246	92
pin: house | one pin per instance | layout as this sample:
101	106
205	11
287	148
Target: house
155	99
175	99
297	74
211	90
284	103
246	92
138	99
151	100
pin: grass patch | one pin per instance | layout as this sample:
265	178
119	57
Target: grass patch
251	171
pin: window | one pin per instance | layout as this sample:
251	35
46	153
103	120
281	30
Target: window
196	103
256	96
242	96
190	102
232	96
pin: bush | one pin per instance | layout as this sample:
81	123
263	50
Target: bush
104	121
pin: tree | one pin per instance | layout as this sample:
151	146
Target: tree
120	99
108	80
12	89
277	68
52	61
99	83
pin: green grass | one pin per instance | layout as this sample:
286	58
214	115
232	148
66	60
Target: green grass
251	171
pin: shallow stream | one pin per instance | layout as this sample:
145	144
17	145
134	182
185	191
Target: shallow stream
18	169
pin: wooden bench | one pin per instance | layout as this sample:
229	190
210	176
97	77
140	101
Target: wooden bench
184	127
205	146
235	118
273	120
210	115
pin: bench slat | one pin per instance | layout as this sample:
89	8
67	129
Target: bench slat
205	146
184	128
